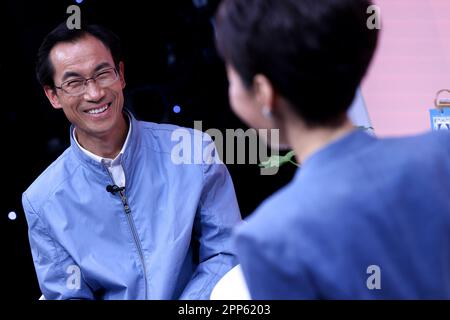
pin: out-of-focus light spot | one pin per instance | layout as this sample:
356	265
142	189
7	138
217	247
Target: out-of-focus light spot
12	215
55	145
200	3
78	1
171	59
177	109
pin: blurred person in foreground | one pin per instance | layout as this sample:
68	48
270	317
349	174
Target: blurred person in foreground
363	218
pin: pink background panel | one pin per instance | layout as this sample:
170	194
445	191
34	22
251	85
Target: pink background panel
411	64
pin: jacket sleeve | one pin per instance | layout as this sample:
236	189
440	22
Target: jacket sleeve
58	275
217	213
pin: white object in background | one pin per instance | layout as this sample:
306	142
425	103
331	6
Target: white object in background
232	286
358	112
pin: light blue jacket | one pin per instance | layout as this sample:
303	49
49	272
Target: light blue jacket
174	242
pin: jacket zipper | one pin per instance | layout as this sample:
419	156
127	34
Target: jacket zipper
137	242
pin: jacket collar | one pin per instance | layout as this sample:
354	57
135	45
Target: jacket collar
128	154
346	146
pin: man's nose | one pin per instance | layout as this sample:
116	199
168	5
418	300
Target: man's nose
93	91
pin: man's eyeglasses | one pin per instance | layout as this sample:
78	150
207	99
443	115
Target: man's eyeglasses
78	86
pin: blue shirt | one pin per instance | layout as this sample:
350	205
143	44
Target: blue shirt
364	218
166	236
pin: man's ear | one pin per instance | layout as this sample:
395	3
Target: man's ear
264	92
52	97
122	74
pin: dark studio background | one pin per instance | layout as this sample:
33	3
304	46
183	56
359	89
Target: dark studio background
170	60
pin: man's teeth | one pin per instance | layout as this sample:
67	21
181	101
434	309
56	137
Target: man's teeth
99	110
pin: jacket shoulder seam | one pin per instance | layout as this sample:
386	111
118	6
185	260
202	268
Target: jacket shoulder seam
51	193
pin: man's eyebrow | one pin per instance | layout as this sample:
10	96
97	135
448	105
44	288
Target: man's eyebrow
102	66
69	74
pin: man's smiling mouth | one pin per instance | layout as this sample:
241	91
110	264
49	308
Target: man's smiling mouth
99	109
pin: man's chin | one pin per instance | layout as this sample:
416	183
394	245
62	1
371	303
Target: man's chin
98	131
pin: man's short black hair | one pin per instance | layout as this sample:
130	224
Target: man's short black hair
315	52
44	67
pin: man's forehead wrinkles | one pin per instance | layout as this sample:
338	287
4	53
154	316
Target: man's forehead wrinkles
81	57
81	66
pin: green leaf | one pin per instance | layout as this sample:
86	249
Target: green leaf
273	161
277	161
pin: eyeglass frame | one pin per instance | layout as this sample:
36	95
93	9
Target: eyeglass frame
93	78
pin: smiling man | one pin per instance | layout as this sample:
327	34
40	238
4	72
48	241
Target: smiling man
113	217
